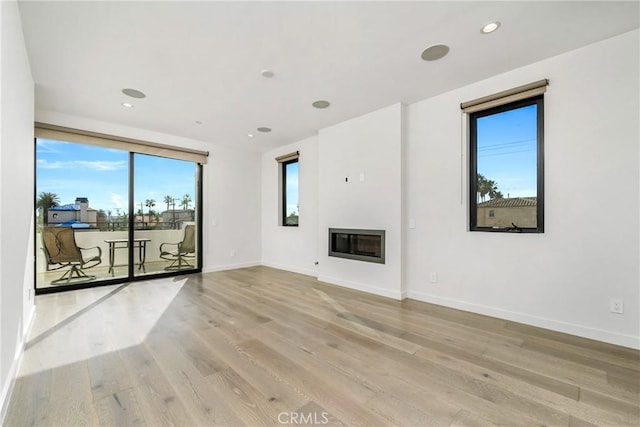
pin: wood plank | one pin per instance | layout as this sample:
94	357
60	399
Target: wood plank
189	385
615	368
465	418
327	309
158	400
30	404
108	375
281	395
355	386
75	405
119	409
249	404
321	391
566	370
541	403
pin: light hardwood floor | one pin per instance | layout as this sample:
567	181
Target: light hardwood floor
260	346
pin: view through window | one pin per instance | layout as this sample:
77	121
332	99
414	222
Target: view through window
290	193
85	209
506	167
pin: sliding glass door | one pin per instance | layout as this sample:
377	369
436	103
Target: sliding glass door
105	215
165	201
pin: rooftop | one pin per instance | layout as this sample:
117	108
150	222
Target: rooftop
512	202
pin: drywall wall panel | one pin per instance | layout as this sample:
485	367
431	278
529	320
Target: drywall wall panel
291	248
360	179
16	195
562	279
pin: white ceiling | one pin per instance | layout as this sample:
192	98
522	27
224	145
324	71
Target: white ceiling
201	61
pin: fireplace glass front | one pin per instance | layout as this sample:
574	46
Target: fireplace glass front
361	245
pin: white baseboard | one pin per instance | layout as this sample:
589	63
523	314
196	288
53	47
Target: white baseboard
230	266
397	295
7	389
305	271
555	325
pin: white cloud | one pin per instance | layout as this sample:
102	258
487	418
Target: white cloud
49	146
99	165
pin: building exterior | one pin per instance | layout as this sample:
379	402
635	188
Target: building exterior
73	214
520	211
177	216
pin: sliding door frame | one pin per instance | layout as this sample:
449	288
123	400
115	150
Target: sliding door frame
131	277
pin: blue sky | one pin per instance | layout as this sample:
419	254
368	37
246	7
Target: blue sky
101	174
507	150
292	187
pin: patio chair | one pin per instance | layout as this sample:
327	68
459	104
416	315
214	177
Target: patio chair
61	251
180	253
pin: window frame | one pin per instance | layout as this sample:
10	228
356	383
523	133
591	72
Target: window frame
283	194
537	100
75	138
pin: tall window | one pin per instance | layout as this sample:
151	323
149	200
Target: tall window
506	167
288	190
290	205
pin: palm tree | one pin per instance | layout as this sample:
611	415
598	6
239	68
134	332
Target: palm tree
482	187
45	201
495	193
149	203
487	187
168	200
186	199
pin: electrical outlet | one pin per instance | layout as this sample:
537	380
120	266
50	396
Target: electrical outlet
433	277
616	305
232	252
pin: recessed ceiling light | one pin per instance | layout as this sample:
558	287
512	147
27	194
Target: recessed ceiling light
250	135
198	122
490	27
127	105
264	129
134	93
321	104
435	52
267	73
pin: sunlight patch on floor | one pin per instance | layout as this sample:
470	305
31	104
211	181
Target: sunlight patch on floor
78	325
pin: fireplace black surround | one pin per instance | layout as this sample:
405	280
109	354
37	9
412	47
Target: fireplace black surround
361	245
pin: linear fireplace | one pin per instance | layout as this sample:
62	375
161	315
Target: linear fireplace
361	245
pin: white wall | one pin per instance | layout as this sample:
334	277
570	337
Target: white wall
371	145
231	192
16	195
562	279
291	248
232	210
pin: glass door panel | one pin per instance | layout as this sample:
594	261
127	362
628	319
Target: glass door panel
165	219
81	213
